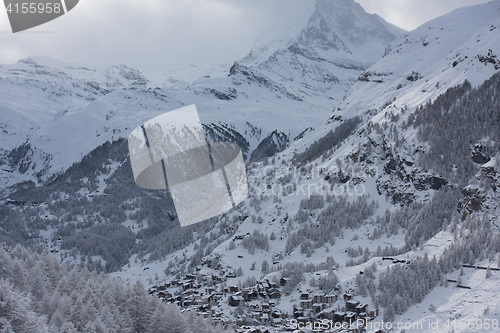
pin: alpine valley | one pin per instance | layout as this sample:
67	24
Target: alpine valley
373	164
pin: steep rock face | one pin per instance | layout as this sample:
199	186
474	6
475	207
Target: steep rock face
223	133
484	196
343	25
271	145
336	26
326	52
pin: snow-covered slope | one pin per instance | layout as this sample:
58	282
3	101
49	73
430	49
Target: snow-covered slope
39	90
420	65
381	158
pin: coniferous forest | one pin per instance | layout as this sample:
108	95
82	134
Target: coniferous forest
40	295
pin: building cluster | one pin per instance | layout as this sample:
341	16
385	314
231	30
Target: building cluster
317	306
256	306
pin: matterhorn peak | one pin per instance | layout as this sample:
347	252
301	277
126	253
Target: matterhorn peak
324	29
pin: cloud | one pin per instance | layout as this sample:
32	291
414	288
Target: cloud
147	33
167	34
409	14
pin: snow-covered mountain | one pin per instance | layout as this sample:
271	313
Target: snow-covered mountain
440	54
62	111
416	68
37	90
378	205
335	31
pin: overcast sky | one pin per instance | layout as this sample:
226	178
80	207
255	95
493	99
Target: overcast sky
168	34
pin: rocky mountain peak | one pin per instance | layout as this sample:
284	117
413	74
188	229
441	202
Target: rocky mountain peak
311	28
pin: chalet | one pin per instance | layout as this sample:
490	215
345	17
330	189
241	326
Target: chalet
252	295
254	307
298	312
278	321
264	318
347	297
350	317
233	289
338	316
217	278
351	305
274	293
213	300
256	315
331	298
265	306
187	302
244	294
197	301
277	314
187	284
327	314
236	300
306	304
209	290
263	286
361	308
317	307
284	281
304	296
187	293
318	298
164	294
